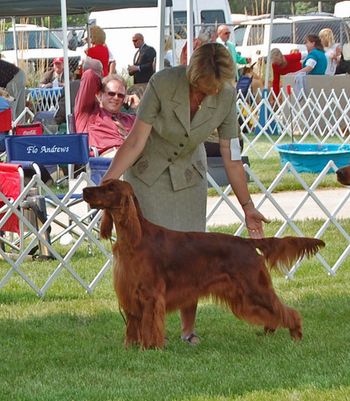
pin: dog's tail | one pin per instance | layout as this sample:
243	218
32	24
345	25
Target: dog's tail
283	252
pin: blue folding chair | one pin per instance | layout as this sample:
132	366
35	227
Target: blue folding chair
48	149
66	214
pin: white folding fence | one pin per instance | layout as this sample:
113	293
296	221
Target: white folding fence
44	99
313	116
84	224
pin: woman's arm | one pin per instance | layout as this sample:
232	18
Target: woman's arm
306	69
237	178
130	150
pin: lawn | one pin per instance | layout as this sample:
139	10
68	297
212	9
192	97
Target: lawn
69	345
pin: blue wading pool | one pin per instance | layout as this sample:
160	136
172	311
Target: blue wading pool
313	157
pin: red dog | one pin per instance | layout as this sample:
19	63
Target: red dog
343	175
158	270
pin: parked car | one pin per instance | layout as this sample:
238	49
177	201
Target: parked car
37	47
252	37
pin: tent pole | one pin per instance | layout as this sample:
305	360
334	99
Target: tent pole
66	73
161	23
172	30
189	29
15	39
66	61
268	61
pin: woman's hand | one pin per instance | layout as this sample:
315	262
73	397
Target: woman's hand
254	220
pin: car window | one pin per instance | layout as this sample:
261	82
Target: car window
281	33
180	24
339	28
212	17
32	40
256	35
239	35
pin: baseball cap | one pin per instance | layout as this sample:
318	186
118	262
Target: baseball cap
57	60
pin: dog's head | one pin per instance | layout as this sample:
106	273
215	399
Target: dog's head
109	195
119	204
343	175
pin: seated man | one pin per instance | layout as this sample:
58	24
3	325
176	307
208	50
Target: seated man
55	76
97	111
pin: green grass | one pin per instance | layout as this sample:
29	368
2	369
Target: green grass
69	345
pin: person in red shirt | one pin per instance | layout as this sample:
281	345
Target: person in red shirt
282	65
97	111
99	50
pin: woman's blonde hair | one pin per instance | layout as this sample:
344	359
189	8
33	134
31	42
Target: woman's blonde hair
327	37
97	35
276	55
213	62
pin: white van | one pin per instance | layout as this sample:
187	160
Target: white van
252	37
120	25
37	47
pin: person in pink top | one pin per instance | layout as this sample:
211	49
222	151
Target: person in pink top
97	111
99	50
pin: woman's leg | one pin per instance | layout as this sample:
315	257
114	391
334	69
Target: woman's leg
188	319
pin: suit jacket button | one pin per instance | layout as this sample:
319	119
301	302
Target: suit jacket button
181	145
186	135
175	153
169	160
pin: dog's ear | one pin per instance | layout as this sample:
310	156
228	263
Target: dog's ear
132	222
106	226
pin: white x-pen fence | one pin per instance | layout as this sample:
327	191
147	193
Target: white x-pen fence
330	112
315	116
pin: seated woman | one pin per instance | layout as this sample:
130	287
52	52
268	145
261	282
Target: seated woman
315	62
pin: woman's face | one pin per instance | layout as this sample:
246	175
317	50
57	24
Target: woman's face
309	45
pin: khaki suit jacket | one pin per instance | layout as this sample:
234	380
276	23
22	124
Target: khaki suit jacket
175	140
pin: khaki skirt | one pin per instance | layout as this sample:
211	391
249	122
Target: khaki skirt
183	210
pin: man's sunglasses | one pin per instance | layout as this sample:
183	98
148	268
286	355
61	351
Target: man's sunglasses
120	96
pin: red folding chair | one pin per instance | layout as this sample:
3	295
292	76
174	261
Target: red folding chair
11	185
5	120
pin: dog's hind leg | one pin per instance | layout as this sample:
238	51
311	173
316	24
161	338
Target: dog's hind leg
261	306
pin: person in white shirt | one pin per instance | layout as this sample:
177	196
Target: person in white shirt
332	50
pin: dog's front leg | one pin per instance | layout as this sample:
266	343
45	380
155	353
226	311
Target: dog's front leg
133	325
152	333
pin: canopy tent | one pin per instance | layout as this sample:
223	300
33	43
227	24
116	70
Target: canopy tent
24	8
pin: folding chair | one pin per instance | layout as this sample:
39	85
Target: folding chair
11	185
62	215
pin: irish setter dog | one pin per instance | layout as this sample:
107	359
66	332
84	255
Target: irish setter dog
343	175
157	270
